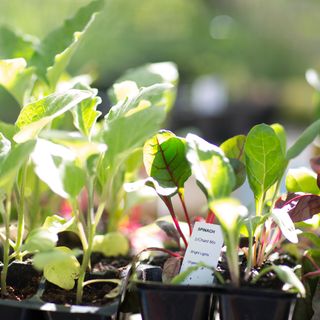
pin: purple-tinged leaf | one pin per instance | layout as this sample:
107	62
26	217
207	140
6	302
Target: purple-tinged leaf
169	229
171	268
300	207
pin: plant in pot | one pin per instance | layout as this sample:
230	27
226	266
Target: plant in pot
217	177
68	162
265	160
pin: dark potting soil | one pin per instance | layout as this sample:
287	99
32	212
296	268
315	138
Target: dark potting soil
268	281
93	294
22	281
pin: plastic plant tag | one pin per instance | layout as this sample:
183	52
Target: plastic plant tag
204	246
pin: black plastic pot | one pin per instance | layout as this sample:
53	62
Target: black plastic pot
35	308
255	304
160	301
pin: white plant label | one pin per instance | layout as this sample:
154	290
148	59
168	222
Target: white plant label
204	246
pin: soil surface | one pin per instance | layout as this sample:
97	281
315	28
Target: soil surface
93	294
22	281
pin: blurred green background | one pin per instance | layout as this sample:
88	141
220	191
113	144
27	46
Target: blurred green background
254	54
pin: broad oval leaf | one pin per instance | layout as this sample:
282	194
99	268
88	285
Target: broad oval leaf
111	244
164	157
36	115
233	148
265	160
302	180
62	270
211	168
281	133
74	179
56	223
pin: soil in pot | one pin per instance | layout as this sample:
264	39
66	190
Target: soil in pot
22	281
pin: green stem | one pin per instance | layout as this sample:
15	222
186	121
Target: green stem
6	246
20	228
261	274
249	257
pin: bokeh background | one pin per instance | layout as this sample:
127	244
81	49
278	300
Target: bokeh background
240	62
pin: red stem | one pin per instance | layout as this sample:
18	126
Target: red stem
296	198
311	274
210	217
168	203
186	214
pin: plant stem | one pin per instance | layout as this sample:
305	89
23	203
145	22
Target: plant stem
186	214
20	229
6	246
169	205
210	217
249	257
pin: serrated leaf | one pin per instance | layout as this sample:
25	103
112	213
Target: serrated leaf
302	180
165	161
16	78
211	168
304	140
14	160
34	116
85	114
40	239
55	51
264	159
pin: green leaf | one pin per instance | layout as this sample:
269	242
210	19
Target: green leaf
16	78
211	168
35	116
304	140
40	239
128	126
281	133
55	51
264	159
60	267
302	180
55	165
164	157
74	179
312	237
16	45
17	156
144	76
111	244
228	211
85	114
57	223
233	148
9	130
5	147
